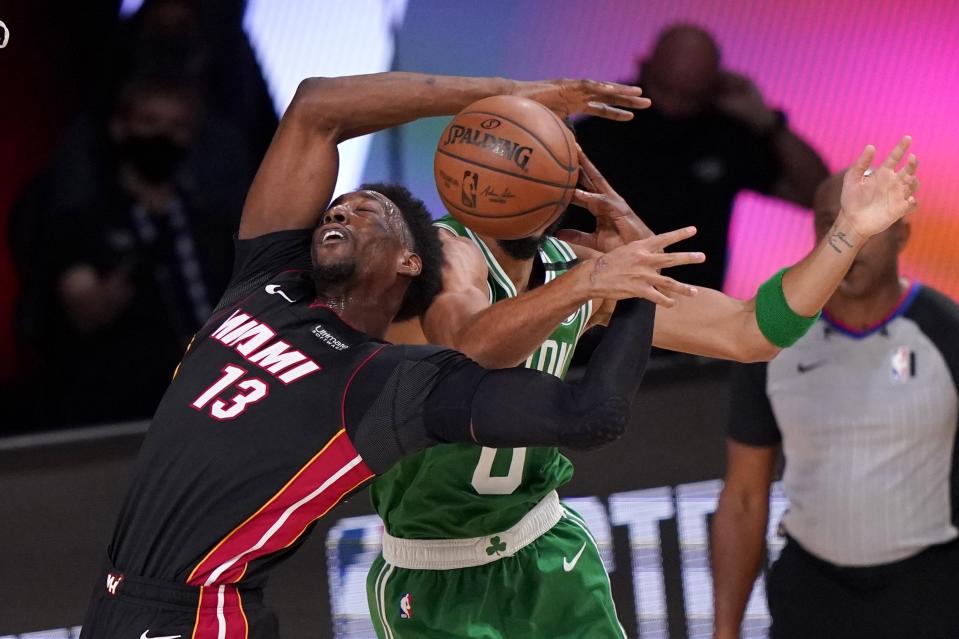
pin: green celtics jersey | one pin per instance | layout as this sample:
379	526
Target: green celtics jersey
461	490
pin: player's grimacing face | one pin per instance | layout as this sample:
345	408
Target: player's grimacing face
361	234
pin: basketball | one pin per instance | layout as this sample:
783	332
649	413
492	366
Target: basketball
506	167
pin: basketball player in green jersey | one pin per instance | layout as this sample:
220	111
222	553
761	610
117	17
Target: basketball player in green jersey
476	542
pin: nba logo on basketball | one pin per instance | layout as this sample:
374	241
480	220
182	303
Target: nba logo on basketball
470	182
903	364
406	606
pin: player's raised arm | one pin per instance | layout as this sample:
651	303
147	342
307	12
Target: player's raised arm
450	398
717	325
298	174
523	407
504	334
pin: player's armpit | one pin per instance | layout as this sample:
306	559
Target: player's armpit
715	325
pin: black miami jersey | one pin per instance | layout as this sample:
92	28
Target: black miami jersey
276	413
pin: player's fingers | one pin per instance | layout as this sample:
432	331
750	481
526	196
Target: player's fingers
668	260
595	203
669	285
865	160
656	297
630	102
613	88
577	237
911	183
602	110
892	160
589	169
912	163
661	241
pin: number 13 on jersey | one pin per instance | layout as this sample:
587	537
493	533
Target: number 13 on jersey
256	390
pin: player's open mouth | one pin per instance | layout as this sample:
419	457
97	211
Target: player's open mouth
333	236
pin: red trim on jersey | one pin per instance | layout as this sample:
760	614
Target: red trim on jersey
346	388
220	609
326	479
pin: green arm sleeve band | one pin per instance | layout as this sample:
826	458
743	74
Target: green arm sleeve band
779	323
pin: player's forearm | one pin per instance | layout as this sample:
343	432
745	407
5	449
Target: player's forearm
738	531
360	104
520	407
717	325
809	284
505	333
713	324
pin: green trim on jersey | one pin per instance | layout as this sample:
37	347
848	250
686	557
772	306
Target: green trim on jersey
456	491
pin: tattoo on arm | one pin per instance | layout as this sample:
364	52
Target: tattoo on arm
839	236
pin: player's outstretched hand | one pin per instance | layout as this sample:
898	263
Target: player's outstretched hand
874	199
616	223
603	99
632	270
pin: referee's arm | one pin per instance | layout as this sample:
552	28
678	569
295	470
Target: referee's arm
739	525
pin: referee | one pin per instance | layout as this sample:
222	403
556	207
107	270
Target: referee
864	408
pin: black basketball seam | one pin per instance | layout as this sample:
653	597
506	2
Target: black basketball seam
515	175
498	217
568	169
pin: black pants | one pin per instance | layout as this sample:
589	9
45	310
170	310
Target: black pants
128	607
917	597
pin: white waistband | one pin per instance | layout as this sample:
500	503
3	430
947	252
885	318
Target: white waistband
450	554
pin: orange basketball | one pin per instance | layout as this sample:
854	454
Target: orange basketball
506	167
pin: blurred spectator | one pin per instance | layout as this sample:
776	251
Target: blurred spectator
205	40
122	246
708	135
865	410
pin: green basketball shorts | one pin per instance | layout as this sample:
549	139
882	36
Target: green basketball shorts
541	578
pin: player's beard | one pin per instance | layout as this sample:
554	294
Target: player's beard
522	249
525	248
331	276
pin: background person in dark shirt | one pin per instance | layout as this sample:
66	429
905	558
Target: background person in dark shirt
708	135
127	233
865	408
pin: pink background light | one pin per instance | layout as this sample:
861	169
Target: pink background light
846	73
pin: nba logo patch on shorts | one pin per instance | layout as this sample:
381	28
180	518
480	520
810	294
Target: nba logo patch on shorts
406	606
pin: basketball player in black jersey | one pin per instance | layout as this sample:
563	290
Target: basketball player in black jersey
288	399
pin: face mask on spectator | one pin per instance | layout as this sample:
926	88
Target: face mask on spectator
155	158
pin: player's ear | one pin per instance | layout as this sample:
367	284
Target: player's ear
411	265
